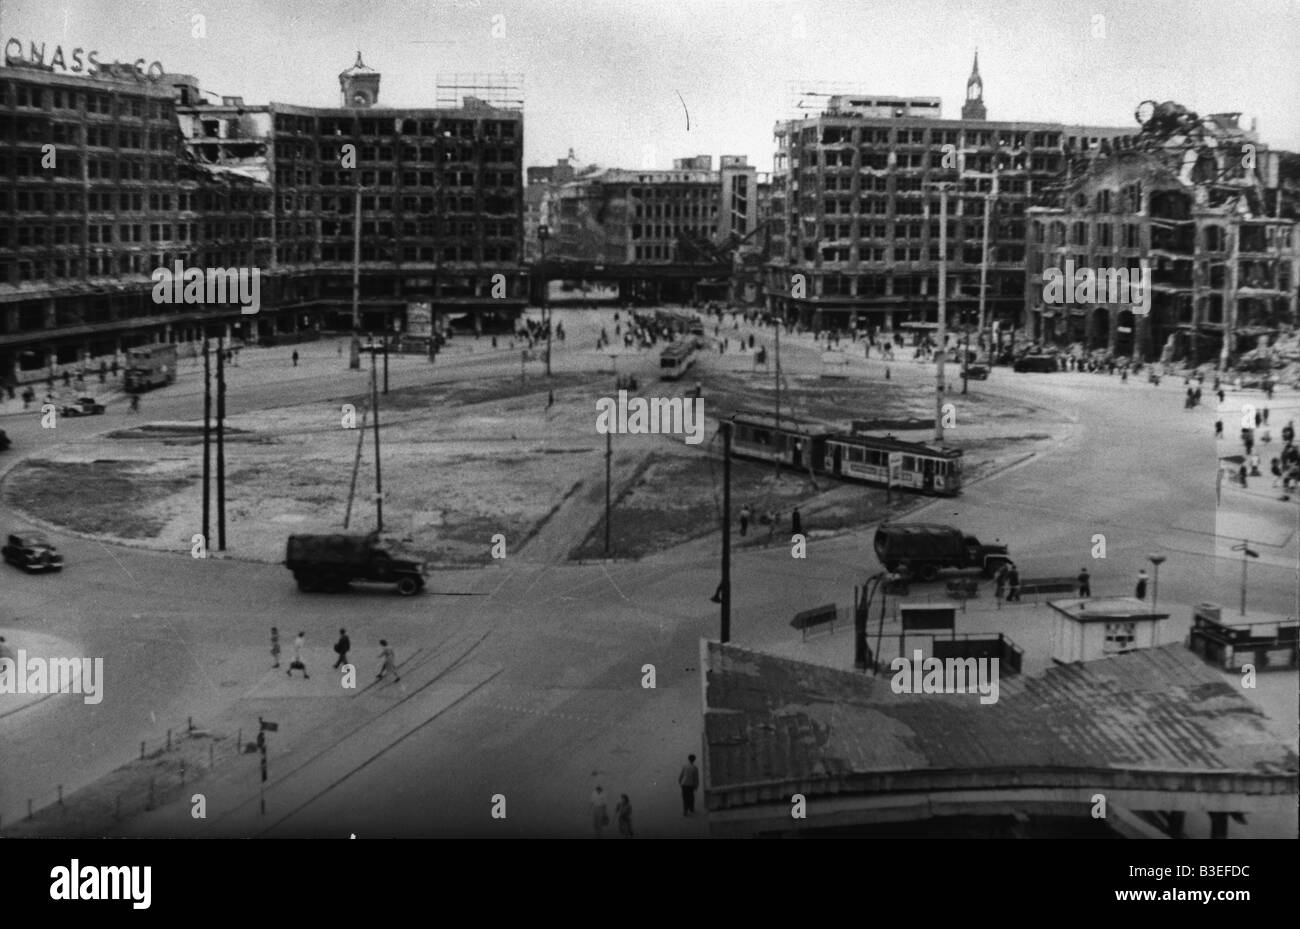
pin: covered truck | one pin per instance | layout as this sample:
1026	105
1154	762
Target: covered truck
331	562
926	548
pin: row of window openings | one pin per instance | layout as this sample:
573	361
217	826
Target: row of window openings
454	129
40	98
69	166
103	201
332	153
302	177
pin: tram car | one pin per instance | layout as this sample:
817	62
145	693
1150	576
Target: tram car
884	462
676	359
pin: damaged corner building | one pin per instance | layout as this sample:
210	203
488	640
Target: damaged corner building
1208	208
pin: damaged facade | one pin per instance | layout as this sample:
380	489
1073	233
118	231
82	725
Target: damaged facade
440	194
855	214
80	233
1199	201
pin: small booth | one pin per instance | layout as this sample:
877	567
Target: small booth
1099	627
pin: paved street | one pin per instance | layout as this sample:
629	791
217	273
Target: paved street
529	684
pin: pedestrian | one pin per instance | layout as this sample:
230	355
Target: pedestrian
599	811
135	403
689	779
744	519
1013	584
1266	415
1259	419
1218	428
1000	581
342	647
1276	467
623	816
1085	583
1220	392
297	664
389	659
550	399
796	522
275	646
1141	591
1196	401
1241	474
295	358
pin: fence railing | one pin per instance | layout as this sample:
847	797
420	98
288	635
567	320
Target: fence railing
161	769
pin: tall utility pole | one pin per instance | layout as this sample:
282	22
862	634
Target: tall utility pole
379	480
984	257
385	361
354	357
207	445
609	454
221	442
1230	310
777	368
941	336
725	587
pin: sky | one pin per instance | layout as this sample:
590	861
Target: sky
636	83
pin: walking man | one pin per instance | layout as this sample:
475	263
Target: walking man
1085	583
1141	592
599	810
342	647
297	664
796	522
1013	584
689	779
390	661
295	358
275	646
744	519
623	816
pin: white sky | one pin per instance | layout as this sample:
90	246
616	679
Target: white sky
603	76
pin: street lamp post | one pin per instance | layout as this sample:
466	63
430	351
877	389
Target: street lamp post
942	334
1246	553
1156	562
544	233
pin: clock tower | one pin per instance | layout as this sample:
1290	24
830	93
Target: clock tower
359	85
973	108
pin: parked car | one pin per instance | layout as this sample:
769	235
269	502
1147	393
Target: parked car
1040	363
83	406
977	372
32	551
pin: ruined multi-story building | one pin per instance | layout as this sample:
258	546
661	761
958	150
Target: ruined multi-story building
438	193
96	193
856	205
1196	201
543	181
656	215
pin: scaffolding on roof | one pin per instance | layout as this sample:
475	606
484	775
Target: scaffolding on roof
503	90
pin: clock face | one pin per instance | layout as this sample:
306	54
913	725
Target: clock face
1146	109
361	99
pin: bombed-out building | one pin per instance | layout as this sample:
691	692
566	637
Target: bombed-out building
855	236
1197	202
436	195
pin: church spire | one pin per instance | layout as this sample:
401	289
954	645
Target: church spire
974	108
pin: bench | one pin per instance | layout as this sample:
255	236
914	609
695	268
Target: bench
815	617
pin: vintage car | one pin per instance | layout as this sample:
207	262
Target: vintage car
83	406
977	372
32	551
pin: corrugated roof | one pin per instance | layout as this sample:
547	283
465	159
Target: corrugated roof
772	721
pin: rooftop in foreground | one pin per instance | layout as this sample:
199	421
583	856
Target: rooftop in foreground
1155	729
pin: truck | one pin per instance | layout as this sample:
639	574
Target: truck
923	549
332	562
149	366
